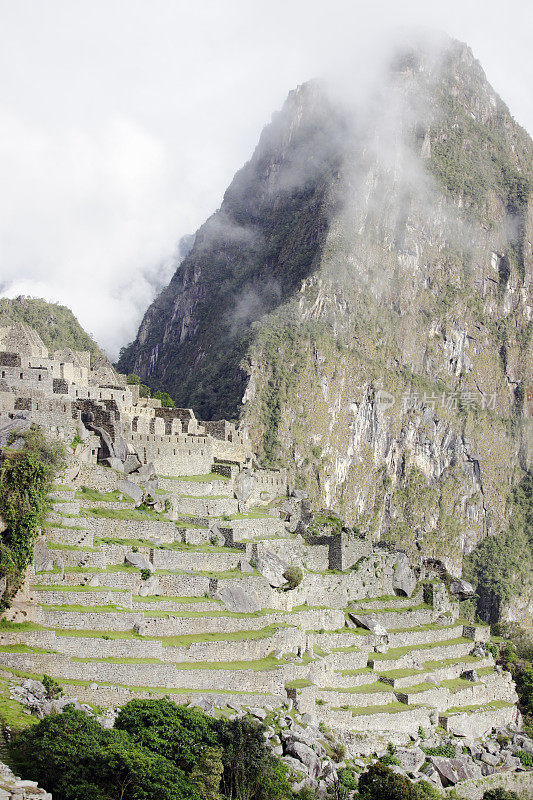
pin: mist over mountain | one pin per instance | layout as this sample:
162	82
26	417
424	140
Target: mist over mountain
361	301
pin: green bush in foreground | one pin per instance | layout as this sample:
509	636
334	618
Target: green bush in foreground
156	751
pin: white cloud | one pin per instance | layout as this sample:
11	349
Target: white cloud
121	123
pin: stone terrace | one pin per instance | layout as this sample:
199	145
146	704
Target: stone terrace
198	616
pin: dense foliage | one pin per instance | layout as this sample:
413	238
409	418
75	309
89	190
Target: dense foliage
516	656
145	391
156	751
501	566
27	470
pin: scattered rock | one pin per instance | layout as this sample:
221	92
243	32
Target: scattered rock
258	713
410	759
306	755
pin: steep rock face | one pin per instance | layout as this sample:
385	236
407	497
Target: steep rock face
361	302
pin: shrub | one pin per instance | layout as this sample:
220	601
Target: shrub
145	574
526	759
445	750
389	760
500	794
51	687
348	778
293	576
338	751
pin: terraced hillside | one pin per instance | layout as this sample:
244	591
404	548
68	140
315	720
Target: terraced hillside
192	603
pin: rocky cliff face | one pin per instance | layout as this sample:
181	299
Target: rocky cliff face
361	302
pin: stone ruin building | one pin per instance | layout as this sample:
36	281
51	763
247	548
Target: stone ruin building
162	572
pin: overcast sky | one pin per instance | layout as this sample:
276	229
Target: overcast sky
123	121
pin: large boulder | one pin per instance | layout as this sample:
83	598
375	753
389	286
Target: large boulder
411	759
43	560
234	598
306	755
146	471
369	622
403	581
461	589
150	487
149	587
11	426
115	463
139	561
245	484
131	463
453	770
271	567
131	490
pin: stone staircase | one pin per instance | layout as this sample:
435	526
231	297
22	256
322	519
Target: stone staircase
201	621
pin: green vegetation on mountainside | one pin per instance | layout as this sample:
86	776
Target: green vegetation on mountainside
501	567
56	325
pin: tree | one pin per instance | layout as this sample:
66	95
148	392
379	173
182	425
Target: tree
75	758
27	469
178	733
166	400
251	772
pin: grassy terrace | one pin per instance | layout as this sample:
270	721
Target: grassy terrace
268	663
398	652
156	598
394	610
184	640
456	684
450	662
211	477
393	674
367	688
388	708
168	614
355	672
22	648
44	587
418	688
124	513
93	495
148	689
482	707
